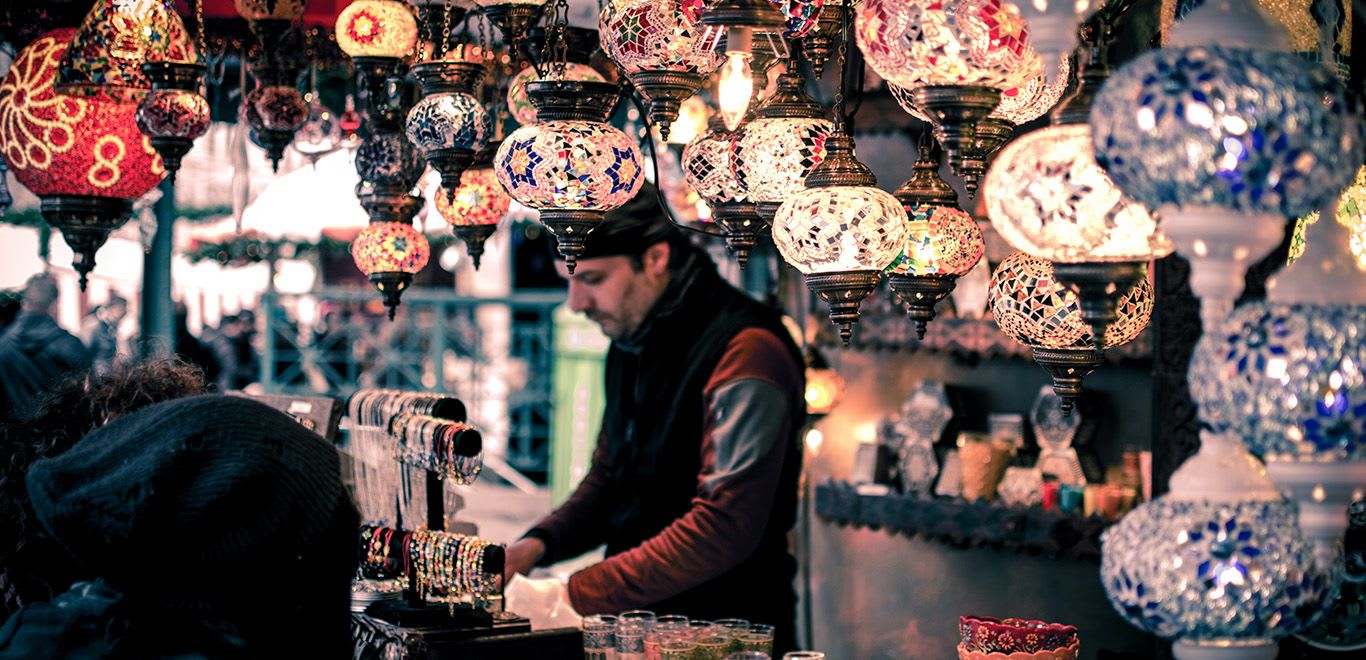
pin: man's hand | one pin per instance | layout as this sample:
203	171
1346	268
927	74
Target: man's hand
521	557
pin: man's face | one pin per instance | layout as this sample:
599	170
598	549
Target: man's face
611	292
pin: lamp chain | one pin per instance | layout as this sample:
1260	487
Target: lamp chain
843	66
199	23
445	30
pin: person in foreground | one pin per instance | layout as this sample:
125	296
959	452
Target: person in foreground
693	485
217	526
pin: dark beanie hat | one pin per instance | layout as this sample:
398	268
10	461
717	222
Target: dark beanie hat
202	502
631	228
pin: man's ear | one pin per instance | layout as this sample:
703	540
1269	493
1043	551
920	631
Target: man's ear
656	259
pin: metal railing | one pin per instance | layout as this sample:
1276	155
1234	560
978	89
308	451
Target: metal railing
493	353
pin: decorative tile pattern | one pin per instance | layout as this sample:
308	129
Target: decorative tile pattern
707	168
569	165
389	159
940	241
656	35
915	43
772	157
824	230
276	107
1032	306
390	247
449	121
1018	105
376	28
480	199
173	113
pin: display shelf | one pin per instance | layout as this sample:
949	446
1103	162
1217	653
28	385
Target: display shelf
964	524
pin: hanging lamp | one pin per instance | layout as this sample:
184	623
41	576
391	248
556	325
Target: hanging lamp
514	18
379	36
840	231
942	242
656	44
742	23
113	42
475	209
175	113
449	124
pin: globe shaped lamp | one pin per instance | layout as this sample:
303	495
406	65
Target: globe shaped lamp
1030	305
942	242
113	42
389	167
389	253
1217	564
520	104
1173	132
378	35
83	156
773	154
656	44
955	57
174	114
841	232
707	169
573	167
275	113
449	124
321	133
477	206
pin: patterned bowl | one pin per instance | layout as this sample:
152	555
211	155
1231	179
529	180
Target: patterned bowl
986	634
1070	652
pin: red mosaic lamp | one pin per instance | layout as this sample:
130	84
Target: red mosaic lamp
83	156
389	253
477	206
113	42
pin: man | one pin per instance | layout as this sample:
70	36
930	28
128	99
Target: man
693	485
35	352
102	333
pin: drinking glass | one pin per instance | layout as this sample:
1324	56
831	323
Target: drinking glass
678	648
599	637
665	628
632	627
713	647
758	637
733	629
749	655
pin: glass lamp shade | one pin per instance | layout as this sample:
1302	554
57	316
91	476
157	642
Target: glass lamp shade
257	10
389	160
707	168
840	228
1351	214
569	164
655	35
173	113
1030	305
276	107
940	242
773	156
321	134
480	200
377	28
116	38
1287	379
520	104
70	145
1018	105
1248	131
390	247
1047	196
452	120
919	43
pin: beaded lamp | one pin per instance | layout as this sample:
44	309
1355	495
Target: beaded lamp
656	44
389	253
113	42
942	242
1030	305
477	206
83	156
573	167
1225	175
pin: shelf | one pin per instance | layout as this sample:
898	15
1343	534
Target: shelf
964	524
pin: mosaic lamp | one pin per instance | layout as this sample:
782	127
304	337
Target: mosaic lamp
378	35
274	111
519	104
1217	564
1285	375
389	253
1351	214
942	242
1030	305
706	164
174	114
113	42
321	133
840	232
1046	195
820	43
656	44
773	154
740	22
449	124
83	156
956	57
573	167
477	206
1053	25
1225	134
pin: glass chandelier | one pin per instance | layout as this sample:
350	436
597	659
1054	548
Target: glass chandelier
389	167
1225	175
841	231
83	156
1030	305
956	56
656	44
942	242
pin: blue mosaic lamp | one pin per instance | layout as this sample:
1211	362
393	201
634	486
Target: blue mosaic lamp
1218	564
1225	134
449	125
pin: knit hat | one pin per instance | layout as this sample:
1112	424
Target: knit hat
206	502
631	228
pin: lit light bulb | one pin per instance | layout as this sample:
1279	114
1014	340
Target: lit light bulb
736	83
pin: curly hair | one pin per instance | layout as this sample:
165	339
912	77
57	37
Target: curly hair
77	406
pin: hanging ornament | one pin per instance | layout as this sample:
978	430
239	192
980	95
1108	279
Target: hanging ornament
82	156
477	206
514	18
113	42
321	133
1030	305
942	242
656	44
275	112
378	35
773	154
520	104
449	125
707	169
573	167
174	114
389	253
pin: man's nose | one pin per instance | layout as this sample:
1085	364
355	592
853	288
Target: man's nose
579	300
